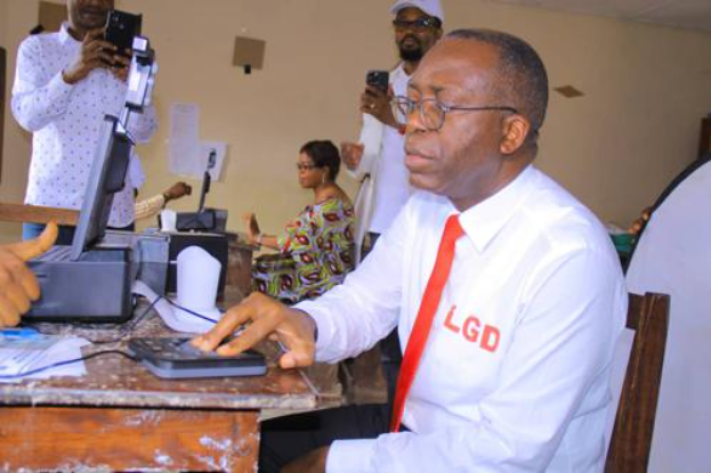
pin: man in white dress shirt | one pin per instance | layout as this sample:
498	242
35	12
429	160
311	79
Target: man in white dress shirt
515	371
65	82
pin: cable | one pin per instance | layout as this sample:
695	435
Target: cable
191	312
68	362
126	331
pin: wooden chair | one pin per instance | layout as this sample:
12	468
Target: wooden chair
631	441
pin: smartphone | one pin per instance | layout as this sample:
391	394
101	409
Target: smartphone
121	28
177	358
378	79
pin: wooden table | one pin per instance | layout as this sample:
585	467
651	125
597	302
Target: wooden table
119	417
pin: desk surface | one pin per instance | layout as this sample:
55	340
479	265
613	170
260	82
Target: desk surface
119	417
114	381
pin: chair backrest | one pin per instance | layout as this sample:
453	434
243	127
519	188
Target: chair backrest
631	441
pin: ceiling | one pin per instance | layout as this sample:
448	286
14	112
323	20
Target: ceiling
691	14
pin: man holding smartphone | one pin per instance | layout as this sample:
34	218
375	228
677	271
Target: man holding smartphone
379	156
65	82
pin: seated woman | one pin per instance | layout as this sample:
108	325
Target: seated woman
315	248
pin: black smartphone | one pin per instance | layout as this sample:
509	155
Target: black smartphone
176	358
121	28
378	79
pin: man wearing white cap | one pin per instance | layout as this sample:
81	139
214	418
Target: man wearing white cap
379	157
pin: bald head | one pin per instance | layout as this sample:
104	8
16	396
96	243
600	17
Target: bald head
520	78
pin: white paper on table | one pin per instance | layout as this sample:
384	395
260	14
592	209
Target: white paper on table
57	349
206	147
184	139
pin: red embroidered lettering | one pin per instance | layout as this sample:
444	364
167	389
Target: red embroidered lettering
471	329
490	338
448	321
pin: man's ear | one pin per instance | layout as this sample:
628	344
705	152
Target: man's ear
515	129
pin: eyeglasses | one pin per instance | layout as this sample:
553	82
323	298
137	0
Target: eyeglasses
433	113
419	24
305	167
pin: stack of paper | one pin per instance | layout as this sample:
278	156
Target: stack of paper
26	353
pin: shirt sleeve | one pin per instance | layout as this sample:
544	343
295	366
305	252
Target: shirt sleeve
371	137
142	126
355	315
149	207
565	338
38	98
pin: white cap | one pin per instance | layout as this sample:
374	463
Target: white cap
431	7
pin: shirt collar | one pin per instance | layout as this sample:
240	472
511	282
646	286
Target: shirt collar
64	36
399	71
483	221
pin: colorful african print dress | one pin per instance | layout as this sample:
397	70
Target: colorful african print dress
315	254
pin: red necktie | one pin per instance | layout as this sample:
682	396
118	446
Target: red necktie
428	308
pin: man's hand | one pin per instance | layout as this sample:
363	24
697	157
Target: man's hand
122	65
95	53
376	102
18	286
312	462
264	317
352	154
177	190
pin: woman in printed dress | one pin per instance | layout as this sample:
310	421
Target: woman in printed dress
315	249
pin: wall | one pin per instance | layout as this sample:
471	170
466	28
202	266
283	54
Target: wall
615	148
18	17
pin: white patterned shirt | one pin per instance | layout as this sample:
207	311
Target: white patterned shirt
66	122
515	373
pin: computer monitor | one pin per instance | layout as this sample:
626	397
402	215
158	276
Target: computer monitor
108	171
108	174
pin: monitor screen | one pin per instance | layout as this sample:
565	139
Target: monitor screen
108	174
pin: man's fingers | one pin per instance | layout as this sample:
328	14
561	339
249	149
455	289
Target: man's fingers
376	93
30	249
9	316
295	359
234	317
123	60
18	298
257	331
94	34
106	57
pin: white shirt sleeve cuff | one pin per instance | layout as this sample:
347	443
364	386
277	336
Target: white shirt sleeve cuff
350	456
59	92
325	352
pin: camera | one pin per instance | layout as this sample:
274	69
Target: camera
121	28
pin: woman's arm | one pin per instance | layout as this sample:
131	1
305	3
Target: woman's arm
255	235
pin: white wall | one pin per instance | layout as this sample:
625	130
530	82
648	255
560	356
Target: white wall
615	148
